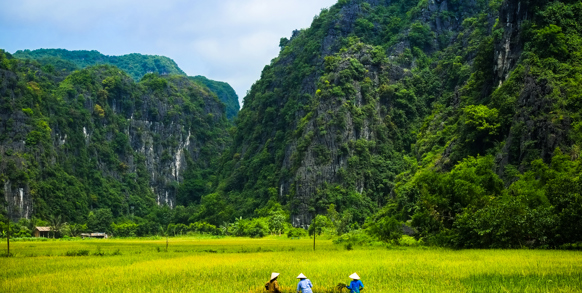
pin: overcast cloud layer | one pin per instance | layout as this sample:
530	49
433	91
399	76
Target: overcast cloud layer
228	40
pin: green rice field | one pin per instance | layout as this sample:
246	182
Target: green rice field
198	264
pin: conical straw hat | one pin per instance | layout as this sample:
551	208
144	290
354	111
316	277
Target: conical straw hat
301	276
274	275
354	276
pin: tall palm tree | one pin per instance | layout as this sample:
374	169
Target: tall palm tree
224	227
56	225
75	229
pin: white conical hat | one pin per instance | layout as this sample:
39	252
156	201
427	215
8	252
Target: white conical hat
354	276
274	275
301	276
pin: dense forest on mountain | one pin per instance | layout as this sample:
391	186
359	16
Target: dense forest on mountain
458	121
224	92
136	65
458	118
92	143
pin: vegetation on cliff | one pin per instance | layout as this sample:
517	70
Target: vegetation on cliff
457	119
136	65
92	145
224	92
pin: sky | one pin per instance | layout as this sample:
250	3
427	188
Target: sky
225	40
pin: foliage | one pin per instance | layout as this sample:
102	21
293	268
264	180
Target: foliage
277	222
420	35
74	230
224	92
387	229
320	224
445	145
296	233
481	119
100	220
136	65
83	131
381	113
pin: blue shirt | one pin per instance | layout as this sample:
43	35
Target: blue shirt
355	286
304	286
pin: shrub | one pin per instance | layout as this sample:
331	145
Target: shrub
387	229
296	232
355	237
77	253
420	35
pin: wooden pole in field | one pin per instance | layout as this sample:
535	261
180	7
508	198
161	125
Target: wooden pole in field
8	232
314	232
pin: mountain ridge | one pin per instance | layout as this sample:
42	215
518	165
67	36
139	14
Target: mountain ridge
419	112
91	139
460	120
135	64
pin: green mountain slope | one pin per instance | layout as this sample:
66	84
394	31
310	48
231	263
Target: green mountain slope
460	117
94	141
224	92
136	65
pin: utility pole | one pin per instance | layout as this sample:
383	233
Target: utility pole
165	231
313	239
314	232
8	231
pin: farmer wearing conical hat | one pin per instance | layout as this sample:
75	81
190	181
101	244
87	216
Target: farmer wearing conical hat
304	285
273	286
356	285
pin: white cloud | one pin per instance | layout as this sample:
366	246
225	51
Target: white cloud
229	40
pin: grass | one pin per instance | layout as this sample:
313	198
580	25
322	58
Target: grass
244	265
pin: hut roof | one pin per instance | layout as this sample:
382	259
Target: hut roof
406	230
43	229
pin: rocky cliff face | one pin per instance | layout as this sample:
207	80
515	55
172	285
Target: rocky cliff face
509	47
363	110
336	121
345	112
370	117
535	130
113	142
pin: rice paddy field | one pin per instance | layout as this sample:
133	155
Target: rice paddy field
194	264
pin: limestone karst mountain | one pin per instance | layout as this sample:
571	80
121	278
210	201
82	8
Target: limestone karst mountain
459	119
93	138
429	112
136	65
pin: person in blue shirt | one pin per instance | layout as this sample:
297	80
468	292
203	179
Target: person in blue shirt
356	285
304	285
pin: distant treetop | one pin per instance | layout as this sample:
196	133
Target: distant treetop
224	92
136	65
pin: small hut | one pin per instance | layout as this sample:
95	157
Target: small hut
94	235
42	232
99	235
